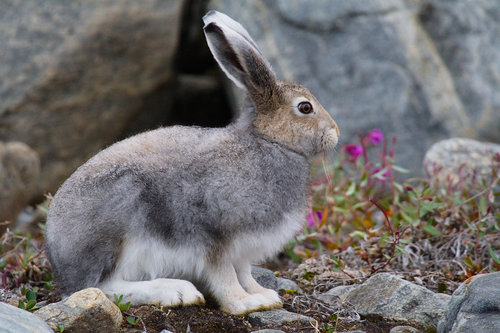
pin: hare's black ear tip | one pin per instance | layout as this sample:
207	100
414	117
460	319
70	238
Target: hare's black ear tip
212	27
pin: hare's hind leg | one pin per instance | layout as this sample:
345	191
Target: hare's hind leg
243	271
166	292
227	290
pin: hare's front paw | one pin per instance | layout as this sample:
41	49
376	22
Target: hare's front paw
172	292
251	303
271	296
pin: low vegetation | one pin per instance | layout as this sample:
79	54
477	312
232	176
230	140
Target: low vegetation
365	217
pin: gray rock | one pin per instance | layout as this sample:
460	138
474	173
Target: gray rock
265	277
447	158
335	294
474	306
277	317
15	320
268	331
19	174
74	73
87	310
405	329
467	37
287	284
355	331
395	299
377	65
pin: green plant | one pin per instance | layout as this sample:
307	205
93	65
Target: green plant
28	302
360	204
130	318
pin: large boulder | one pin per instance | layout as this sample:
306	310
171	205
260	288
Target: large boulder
19	174
474	307
15	320
75	72
396	65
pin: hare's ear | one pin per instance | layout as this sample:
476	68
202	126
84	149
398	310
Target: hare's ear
237	54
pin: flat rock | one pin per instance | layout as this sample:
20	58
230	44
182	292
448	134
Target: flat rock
15	320
405	329
474	306
265	277
395	299
87	310
335	294
277	317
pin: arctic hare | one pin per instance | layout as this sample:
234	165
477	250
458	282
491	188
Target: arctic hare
154	215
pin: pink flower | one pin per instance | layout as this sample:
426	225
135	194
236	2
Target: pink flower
354	150
376	136
314	217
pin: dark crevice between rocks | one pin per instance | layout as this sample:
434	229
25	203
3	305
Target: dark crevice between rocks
195	94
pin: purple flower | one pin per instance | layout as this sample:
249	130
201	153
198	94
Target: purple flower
376	136
354	150
314	217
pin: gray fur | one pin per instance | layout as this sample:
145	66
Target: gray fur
190	187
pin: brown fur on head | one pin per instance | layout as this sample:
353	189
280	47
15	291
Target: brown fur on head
278	116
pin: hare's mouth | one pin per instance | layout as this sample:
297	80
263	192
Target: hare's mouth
329	140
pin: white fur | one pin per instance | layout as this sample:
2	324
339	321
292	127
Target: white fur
145	262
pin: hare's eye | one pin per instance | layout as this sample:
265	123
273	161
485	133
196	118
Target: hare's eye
305	107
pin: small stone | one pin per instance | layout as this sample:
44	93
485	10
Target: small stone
277	317
474	306
265	277
87	310
287	284
15	320
405	329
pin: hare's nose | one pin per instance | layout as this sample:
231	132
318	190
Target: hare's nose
334	125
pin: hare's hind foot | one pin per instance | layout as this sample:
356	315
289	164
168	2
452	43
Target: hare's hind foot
251	303
240	296
165	292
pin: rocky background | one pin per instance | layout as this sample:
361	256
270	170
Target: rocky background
78	76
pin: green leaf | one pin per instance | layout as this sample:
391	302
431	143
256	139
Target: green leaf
30	304
131	320
21	305
30	295
441	288
493	255
60	328
398	187
428	228
289	251
3	263
359	234
400	169
351	189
